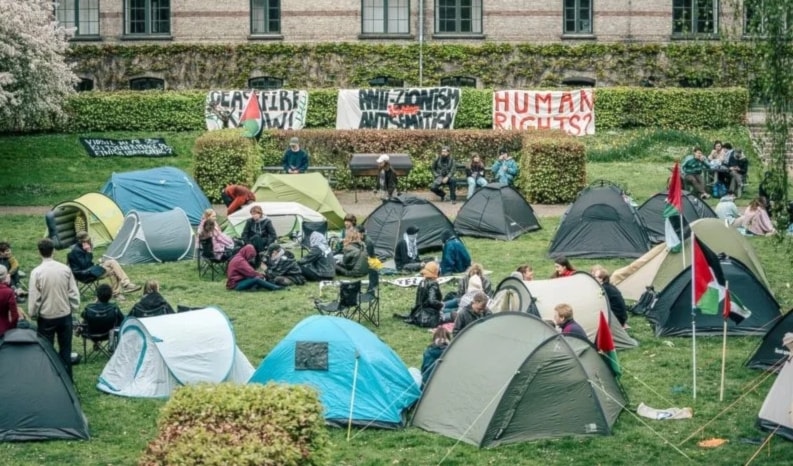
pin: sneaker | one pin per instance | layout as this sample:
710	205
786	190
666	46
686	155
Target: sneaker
130	287
119	297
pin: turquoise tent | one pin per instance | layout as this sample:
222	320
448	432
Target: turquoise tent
336	355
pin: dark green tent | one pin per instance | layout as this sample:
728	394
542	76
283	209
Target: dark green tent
512	378
496	211
39	399
772	353
652	213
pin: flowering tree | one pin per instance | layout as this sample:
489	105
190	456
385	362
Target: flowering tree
34	78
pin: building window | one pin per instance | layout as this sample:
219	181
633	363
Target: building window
265	16
458	16
458	81
386	16
578	16
146	84
85	84
756	18
83	15
386	81
695	17
264	83
147	17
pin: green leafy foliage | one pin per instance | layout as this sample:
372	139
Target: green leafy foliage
136	111
553	168
240	424
224	157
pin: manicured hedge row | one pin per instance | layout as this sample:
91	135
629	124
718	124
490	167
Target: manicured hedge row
614	108
225	157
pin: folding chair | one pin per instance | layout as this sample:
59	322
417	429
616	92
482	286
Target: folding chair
207	262
347	304
371	299
143	313
100	333
88	286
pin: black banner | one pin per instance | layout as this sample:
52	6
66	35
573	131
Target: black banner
146	147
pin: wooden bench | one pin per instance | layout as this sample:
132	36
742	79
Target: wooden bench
329	171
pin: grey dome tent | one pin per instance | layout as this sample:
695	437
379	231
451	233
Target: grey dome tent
670	315
530	383
776	414
40	402
652	213
600	224
496	211
147	237
771	353
386	225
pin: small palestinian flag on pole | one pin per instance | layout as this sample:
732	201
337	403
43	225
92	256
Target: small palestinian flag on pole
604	343
734	308
251	119
673	211
708	279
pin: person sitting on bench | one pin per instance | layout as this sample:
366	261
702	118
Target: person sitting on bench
442	171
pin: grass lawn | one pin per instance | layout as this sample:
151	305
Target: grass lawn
658	373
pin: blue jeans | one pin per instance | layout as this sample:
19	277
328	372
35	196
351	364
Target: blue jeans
473	183
254	284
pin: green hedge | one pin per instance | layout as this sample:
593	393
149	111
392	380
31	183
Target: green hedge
241	425
553	169
224	157
614	108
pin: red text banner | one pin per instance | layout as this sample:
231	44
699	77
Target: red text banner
570	111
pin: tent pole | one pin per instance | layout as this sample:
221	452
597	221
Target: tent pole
724	348
693	321
352	396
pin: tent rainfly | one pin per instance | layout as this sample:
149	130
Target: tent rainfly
530	383
287	217
93	212
496	211
652	213
147	237
771	354
776	414
310	189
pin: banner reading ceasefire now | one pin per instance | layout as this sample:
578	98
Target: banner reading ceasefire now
570	111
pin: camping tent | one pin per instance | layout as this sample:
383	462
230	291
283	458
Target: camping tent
336	355
147	237
776	414
658	267
157	190
670	315
389	222
580	290
39	398
93	212
771	353
511	378
157	354
600	224
652	213
496	211
287	217
310	189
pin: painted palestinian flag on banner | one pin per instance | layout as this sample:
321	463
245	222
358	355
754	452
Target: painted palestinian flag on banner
604	343
673	211
251	119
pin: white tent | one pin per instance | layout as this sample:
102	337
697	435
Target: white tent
287	217
580	290
157	354
148	237
776	415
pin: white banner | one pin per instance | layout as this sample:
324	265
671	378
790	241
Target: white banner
570	111
406	108
281	109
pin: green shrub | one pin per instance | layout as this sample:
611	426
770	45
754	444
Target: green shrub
241	425
552	168
225	157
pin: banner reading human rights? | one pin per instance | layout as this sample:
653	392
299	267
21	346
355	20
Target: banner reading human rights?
404	108
570	111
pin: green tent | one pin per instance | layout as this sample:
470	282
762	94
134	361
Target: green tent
512	378
310	189
95	213
658	267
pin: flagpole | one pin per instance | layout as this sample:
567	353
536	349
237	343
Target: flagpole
693	321
724	341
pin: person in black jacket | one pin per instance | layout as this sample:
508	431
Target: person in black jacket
318	264
426	311
386	179
443	173
102	314
259	230
472	312
616	301
152	303
81	261
406	255
737	165
440	340
282	268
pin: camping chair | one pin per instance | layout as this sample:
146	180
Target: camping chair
101	334
207	262
88	286
371	298
347	304
143	313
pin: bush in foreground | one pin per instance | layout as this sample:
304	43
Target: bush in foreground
241	425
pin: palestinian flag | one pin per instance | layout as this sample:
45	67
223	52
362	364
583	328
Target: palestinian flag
605	345
707	279
251	119
734	309
673	211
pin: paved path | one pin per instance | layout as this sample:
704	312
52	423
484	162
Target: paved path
367	202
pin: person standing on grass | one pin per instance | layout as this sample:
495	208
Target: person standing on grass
295	159
53	297
443	174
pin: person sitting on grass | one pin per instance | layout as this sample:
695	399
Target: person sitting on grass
726	208
318	264
152	303
241	276
259	230
755	219
354	262
455	257
426	311
406	255
102	313
562	267
282	268
472	312
440	340
614	295
563	317
81	261
474	274
523	272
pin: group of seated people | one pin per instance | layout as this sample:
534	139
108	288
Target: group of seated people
725	167
504	171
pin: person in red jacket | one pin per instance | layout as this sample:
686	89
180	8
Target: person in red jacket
235	196
9	314
241	276
562	267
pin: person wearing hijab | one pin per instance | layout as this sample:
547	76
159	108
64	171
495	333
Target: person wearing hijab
406	256
241	276
318	264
